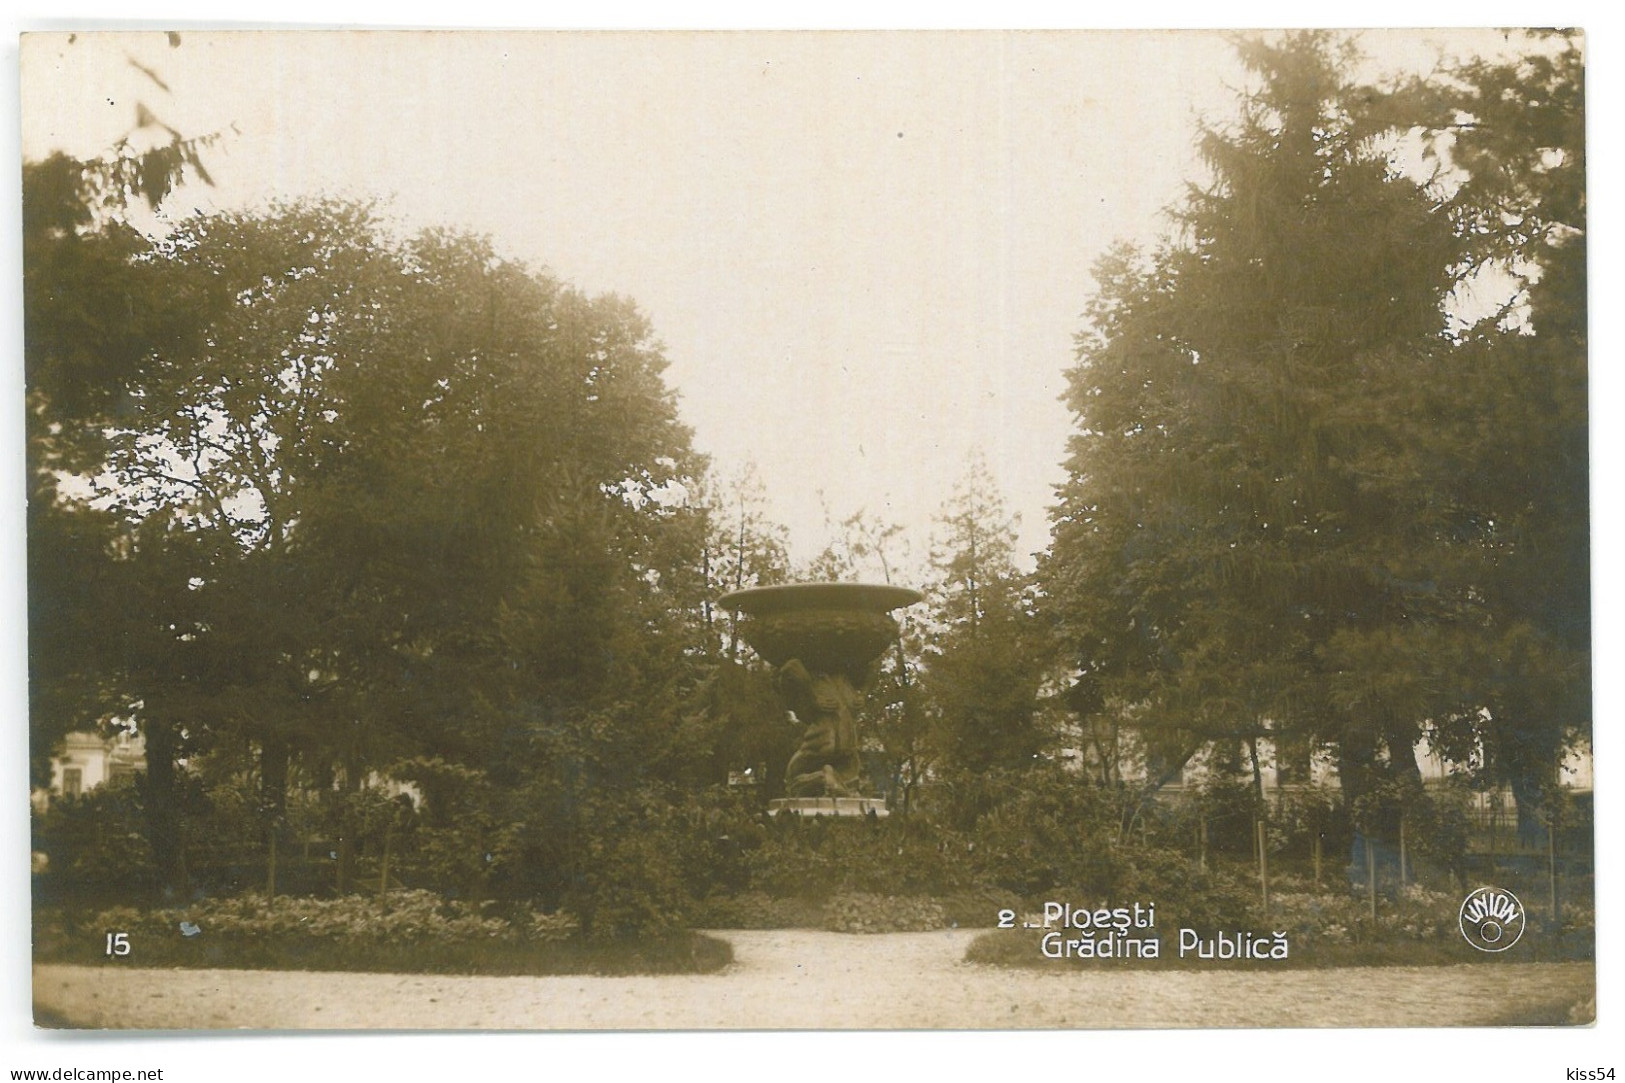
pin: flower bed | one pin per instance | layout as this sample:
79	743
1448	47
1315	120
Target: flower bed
405	932
758	910
864	913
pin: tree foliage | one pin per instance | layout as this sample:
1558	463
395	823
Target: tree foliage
391	497
1275	522
1515	133
320	510
984	658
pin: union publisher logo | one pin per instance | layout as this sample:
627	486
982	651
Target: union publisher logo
1492	919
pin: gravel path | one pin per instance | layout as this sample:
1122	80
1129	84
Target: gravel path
811	980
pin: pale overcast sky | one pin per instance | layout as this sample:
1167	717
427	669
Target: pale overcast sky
866	253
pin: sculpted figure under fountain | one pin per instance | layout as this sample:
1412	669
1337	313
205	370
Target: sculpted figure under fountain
823	638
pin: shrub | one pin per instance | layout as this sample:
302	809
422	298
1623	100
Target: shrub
1299	815
1206	901
817	858
1230	806
858	912
757	910
96	846
793	864
632	882
461	842
1059	830
546	928
1062	838
1439	824
975	908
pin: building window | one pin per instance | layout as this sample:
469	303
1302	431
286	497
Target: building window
72	781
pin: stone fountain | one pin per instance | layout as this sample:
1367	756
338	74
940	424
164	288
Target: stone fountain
822	639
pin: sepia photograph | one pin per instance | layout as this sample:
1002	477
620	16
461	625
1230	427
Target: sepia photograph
807	530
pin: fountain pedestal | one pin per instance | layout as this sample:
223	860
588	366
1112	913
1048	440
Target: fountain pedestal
822	639
829	806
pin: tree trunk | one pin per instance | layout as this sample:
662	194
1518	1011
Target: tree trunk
274	758
1529	794
345	873
1403	871
383	865
1264	864
1402	759
1551	870
705	599
1355	771
1371	876
273	801
160	800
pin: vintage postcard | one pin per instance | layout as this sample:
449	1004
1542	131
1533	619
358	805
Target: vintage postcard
645	531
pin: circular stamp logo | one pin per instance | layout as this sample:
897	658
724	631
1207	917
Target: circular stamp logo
1492	919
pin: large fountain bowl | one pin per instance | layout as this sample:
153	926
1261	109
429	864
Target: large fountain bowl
833	627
